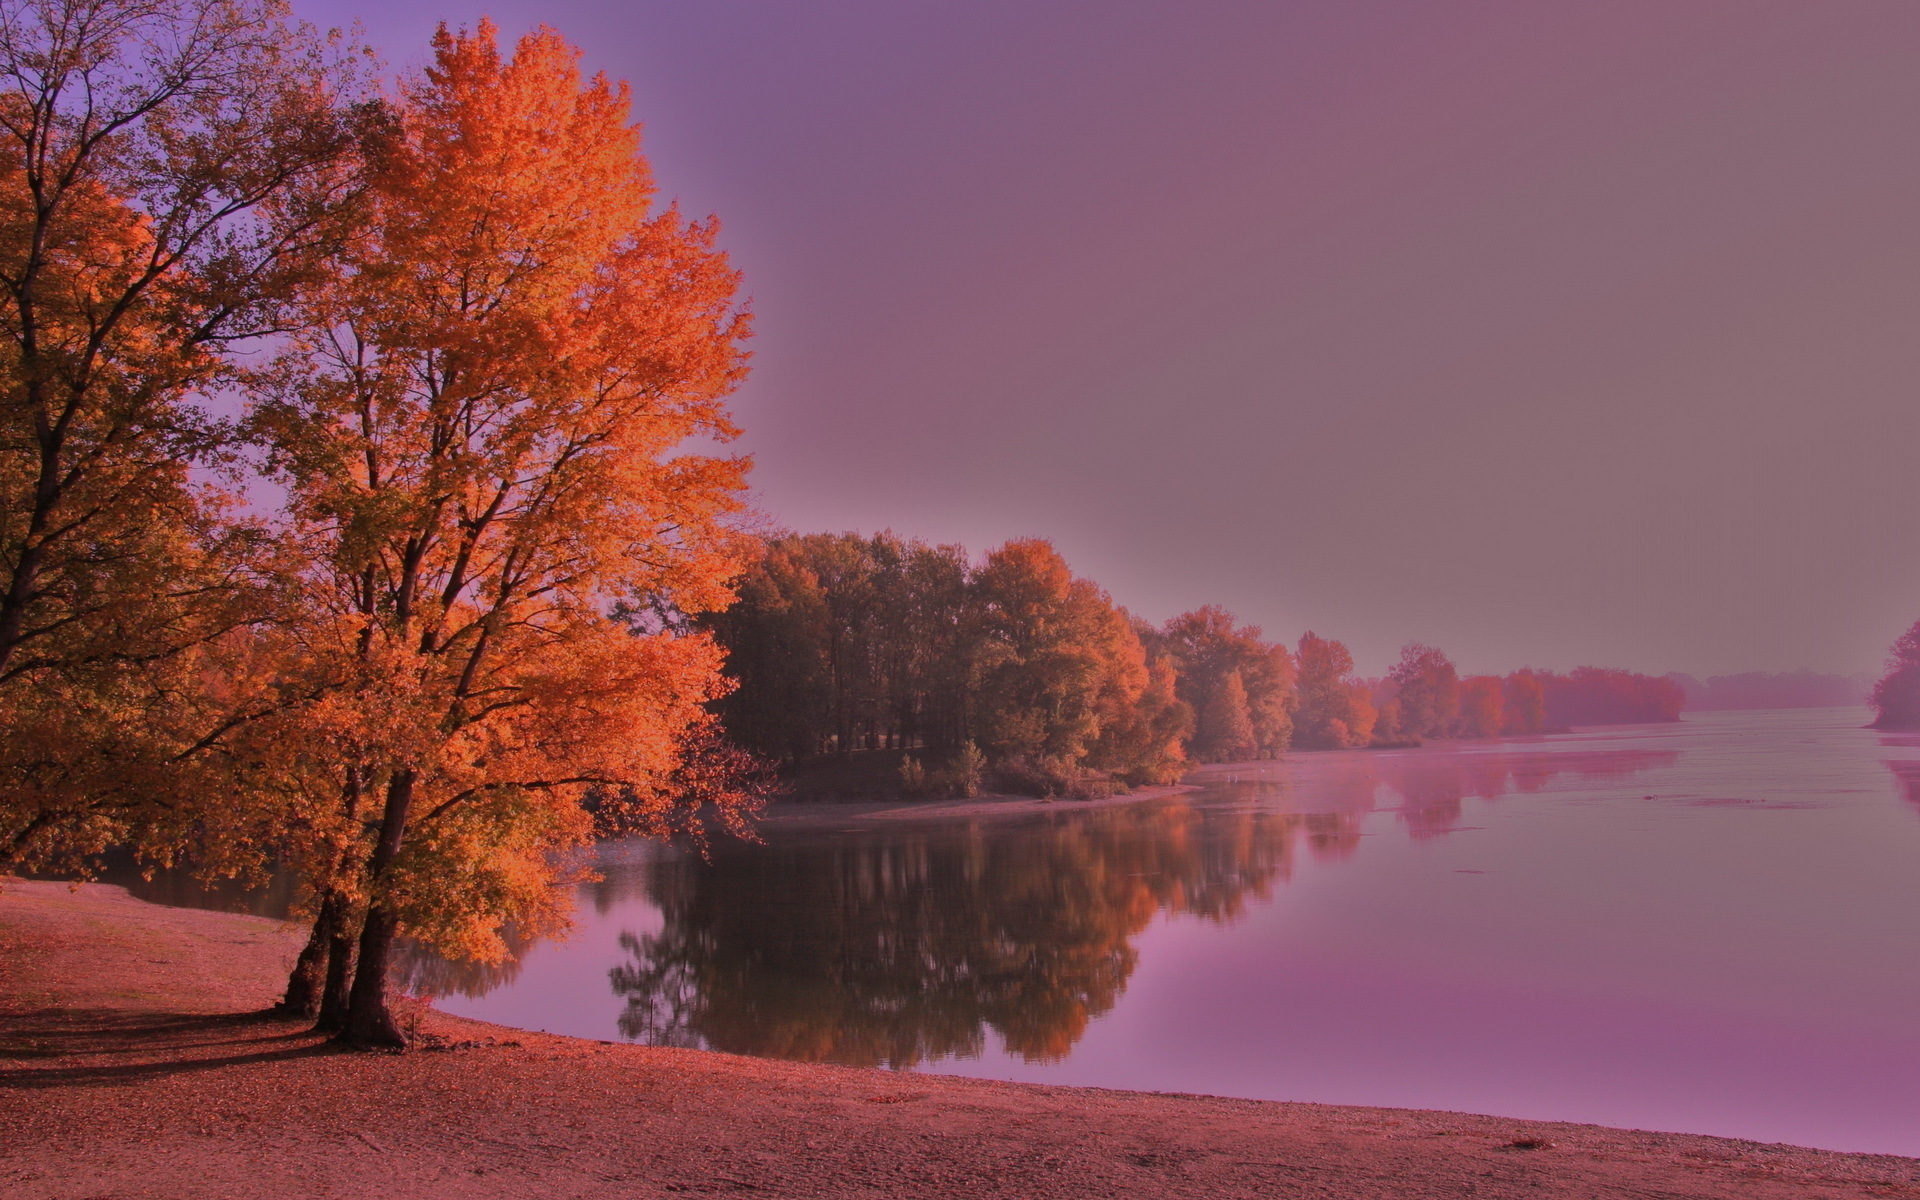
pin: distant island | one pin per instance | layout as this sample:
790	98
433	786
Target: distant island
884	665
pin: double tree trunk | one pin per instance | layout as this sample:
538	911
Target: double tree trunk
369	1019
317	987
321	976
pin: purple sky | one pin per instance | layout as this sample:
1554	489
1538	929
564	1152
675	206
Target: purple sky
1545	333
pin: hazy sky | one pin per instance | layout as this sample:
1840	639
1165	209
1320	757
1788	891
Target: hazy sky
1544	332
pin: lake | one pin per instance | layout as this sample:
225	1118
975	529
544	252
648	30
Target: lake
1709	927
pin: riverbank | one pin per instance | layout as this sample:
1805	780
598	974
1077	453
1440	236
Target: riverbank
134	1063
834	813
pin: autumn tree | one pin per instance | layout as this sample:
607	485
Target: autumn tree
170	173
1896	697
1523	703
1058	662
477	425
929	659
1427	687
1391	726
1482	707
779	639
1208	644
1226	726
1335	709
1605	696
842	642
304	769
849	581
1146	743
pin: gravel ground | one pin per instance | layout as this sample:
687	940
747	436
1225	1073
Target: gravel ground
134	1063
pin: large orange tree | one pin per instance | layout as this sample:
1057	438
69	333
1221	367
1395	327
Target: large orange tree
479	426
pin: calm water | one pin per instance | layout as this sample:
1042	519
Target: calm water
1711	927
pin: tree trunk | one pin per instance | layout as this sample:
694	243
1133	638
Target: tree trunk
370	1022
26	571
304	985
343	932
340	955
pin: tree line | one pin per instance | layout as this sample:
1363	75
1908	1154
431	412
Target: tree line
444	317
1011	672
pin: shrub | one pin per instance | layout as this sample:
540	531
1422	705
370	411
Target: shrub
963	774
1041	775
913	777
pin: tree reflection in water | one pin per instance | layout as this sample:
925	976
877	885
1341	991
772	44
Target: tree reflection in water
1433	785
899	946
1906	771
894	948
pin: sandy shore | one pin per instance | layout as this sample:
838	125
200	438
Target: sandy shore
134	1063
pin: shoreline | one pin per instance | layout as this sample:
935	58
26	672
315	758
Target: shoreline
810	813
814	812
134	1061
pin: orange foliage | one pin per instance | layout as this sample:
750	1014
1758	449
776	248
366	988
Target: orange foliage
1058	662
167	174
1335	710
1209	645
1482	707
476	425
1524	703
1427	687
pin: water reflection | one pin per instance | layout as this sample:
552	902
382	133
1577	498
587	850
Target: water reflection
897	947
1906	772
1427	788
1433	786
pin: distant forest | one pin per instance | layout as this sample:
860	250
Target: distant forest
1781	689
1011	673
